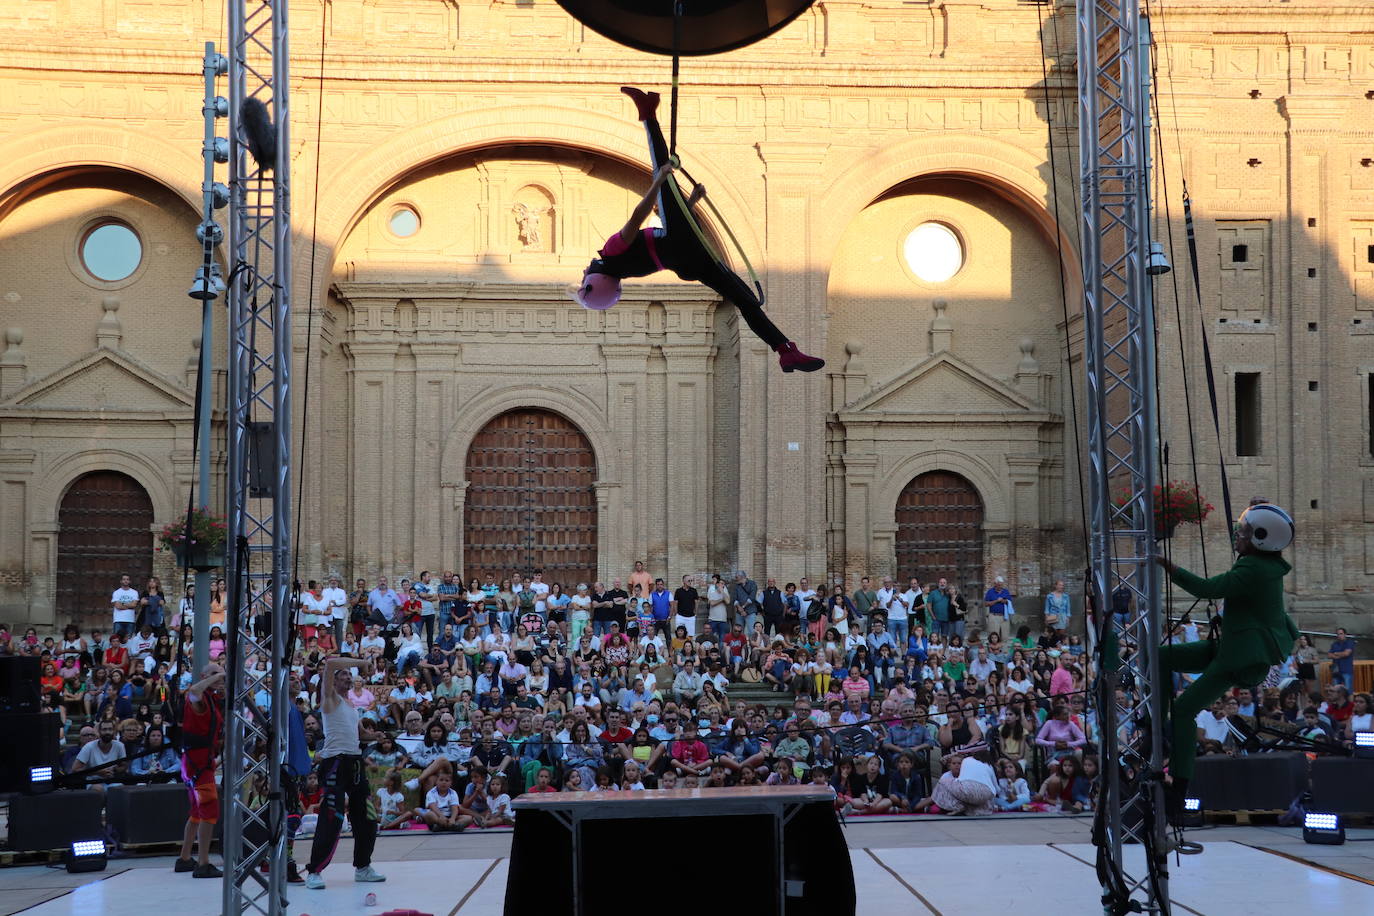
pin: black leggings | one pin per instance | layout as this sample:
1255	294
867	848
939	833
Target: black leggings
344	780
681	252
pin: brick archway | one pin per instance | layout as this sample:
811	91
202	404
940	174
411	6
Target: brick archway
104	531
940	531
531	499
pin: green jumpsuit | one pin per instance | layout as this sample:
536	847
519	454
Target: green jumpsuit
1256	634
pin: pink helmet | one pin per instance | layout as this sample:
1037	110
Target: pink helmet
598	291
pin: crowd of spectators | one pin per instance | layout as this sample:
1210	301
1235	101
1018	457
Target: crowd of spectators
491	688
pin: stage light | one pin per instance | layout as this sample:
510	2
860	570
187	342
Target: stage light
1321	828
221	149
207	290
1159	261
221	64
86	855
1192	812
221	107
219	191
211	230
1364	744
40	774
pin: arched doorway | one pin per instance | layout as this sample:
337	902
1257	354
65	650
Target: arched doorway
531	499
104	531
940	531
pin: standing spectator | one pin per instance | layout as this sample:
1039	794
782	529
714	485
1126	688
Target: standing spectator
958	609
124	603
773	607
891	603
865	599
744	596
661	604
312	614
153	606
1057	608
997	600
581	613
449	591
359	609
685	607
841	611
718	608
383	602
937	603
428	596
641	578
335	602
1342	655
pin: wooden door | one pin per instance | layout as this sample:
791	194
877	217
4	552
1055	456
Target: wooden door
940	531
105	531
531	500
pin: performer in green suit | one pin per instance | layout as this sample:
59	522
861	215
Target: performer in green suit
1256	631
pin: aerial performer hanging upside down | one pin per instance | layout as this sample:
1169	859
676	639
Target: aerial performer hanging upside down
636	252
1256	633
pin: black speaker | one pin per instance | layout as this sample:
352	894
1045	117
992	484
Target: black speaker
19	687
30	740
1259	782
147	814
1343	785
55	820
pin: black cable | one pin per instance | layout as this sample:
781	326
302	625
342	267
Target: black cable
310	317
677	42
1063	286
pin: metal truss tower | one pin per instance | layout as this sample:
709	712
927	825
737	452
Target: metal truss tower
259	485
1119	344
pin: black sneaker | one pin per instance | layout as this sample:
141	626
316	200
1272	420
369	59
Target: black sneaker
207	871
184	865
293	874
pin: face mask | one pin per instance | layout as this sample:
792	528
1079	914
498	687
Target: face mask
704	723
651	719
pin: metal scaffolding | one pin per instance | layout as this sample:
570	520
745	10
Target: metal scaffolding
1119	357
259	485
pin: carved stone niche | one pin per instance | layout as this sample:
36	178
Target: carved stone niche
533	221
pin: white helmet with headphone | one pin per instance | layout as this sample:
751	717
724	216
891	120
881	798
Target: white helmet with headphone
1271	528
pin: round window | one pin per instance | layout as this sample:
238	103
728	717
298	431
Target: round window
404	222
111	252
933	252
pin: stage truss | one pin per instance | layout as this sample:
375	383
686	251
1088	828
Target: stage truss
259	485
1119	356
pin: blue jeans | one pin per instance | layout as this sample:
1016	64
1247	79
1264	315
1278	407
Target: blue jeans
718	629
123	629
956	628
897	626
1344	677
939	626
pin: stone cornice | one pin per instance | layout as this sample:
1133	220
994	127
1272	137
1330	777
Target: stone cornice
519	294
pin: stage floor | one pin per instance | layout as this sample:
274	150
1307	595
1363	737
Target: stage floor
1228	879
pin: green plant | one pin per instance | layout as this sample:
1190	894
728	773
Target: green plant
201	531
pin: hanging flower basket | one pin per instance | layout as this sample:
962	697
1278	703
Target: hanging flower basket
196	541
1175	503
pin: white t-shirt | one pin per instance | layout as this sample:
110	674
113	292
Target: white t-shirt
806	594
909	596
92	756
373	642
581	604
445	803
974	770
1212	727
499	806
141	645
427	594
124	615
390	802
312	609
339	599
540	589
718	597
